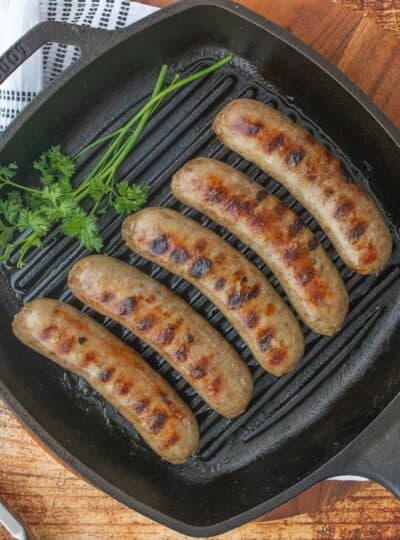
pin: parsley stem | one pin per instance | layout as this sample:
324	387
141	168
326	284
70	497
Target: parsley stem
19	186
154	101
114	145
113	134
105	138
57	202
131	141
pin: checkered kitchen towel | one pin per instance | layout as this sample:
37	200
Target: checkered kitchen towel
18	16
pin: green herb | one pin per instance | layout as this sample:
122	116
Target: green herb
56	201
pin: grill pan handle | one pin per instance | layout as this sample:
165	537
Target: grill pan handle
91	41
375	453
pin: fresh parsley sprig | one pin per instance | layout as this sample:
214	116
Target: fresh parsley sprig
56	201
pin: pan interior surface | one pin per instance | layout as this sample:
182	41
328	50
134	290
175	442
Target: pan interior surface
294	424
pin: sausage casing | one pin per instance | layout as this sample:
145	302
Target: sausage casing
167	323
274	232
227	278
290	154
76	342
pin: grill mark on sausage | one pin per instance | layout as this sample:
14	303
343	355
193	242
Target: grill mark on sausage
236	300
181	353
124	388
254	129
277	357
201	245
254	291
82	340
201	267
275	143
106	296
198	373
313	243
317	297
127	307
172	440
251	319
214	195
247	207
165	399
159	422
233	205
89	358
179	256
328	192
216	385
189	338
264	342
67	345
369	256
47	332
146	323
77	324
220	284
219	259
291	255
343	210
236	205
167	335
106	374
295	228
295	157
270	309
262	195
160	244
141	405
280	209
356	232
305	275
257	222
247	127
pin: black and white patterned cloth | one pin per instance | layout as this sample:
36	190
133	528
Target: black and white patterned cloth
18	16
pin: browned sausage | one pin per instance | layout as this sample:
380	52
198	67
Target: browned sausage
162	319
229	280
272	230
76	342
290	154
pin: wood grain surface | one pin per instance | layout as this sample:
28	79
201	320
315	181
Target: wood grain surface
57	504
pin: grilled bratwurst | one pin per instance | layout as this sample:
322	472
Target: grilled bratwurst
290	154
169	325
226	277
274	232
76	342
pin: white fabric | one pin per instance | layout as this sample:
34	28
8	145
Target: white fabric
18	16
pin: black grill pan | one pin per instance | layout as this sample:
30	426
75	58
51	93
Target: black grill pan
338	412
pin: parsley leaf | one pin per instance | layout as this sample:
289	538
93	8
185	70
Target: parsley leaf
84	227
59	200
11	206
130	198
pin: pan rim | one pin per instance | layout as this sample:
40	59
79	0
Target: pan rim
34	427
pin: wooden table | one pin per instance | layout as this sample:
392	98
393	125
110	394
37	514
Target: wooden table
57	504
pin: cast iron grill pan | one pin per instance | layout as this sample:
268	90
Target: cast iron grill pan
179	131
